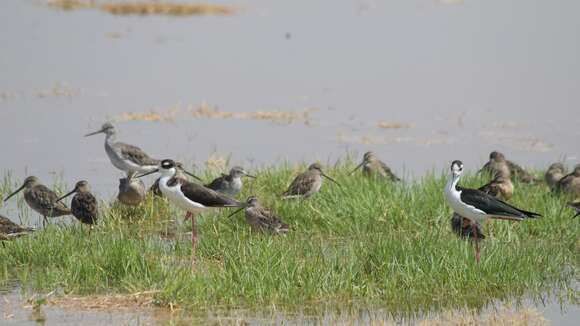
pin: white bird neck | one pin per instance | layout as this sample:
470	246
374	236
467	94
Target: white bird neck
452	183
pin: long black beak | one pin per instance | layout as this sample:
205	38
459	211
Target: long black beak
14	193
68	194
191	174
236	211
147	173
249	175
95	132
357	167
331	179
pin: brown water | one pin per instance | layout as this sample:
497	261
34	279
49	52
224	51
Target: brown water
449	80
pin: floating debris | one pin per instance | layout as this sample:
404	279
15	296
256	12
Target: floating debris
58	90
148	116
279	117
394	125
145	8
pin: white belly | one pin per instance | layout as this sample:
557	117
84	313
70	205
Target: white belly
470	212
175	196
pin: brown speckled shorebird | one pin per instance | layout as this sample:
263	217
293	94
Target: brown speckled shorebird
132	191
230	184
498	164
307	183
570	183
180	173
189	196
500	187
464	229
10	230
261	219
576	207
84	205
125	157
555	172
372	166
41	199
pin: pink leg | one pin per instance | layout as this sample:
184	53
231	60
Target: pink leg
474	230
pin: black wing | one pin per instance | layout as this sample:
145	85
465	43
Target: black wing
207	197
218	183
493	206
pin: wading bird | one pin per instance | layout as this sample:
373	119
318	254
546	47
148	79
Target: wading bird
498	164
463	227
570	183
131	191
41	199
307	183
576	207
372	166
10	230
500	187
191	197
555	173
180	173
125	157
261	219
84	205
477	206
230	184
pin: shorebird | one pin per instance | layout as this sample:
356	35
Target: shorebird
477	206
41	199
131	191
10	230
576	207
230	184
463	228
191	197
555	172
500	187
498	164
307	183
372	166
125	157
262	219
180	173
570	183
84	205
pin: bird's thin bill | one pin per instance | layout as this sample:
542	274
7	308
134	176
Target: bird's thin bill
67	194
357	167
235	212
94	132
14	193
191	175
147	173
249	175
331	179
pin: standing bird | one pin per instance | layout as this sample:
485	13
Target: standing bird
10	230
576	207
463	227
131	191
555	172
262	219
498	164
41	199
125	157
180	174
477	206
307	183
570	183
230	184
84	205
500	187
372	166
189	196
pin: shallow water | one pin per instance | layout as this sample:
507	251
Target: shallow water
461	78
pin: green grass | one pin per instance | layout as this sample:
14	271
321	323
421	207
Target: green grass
367	242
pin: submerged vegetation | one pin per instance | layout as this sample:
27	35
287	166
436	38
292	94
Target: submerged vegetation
369	241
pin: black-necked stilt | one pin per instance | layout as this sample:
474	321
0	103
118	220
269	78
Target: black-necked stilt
41	199
307	183
372	166
10	230
84	205
570	183
191	197
498	164
180	173
132	191
125	157
555	172
500	187
230	184
463	227
478	206
576	207
261	219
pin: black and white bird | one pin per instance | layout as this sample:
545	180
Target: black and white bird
190	197
125	157
230	184
478	206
